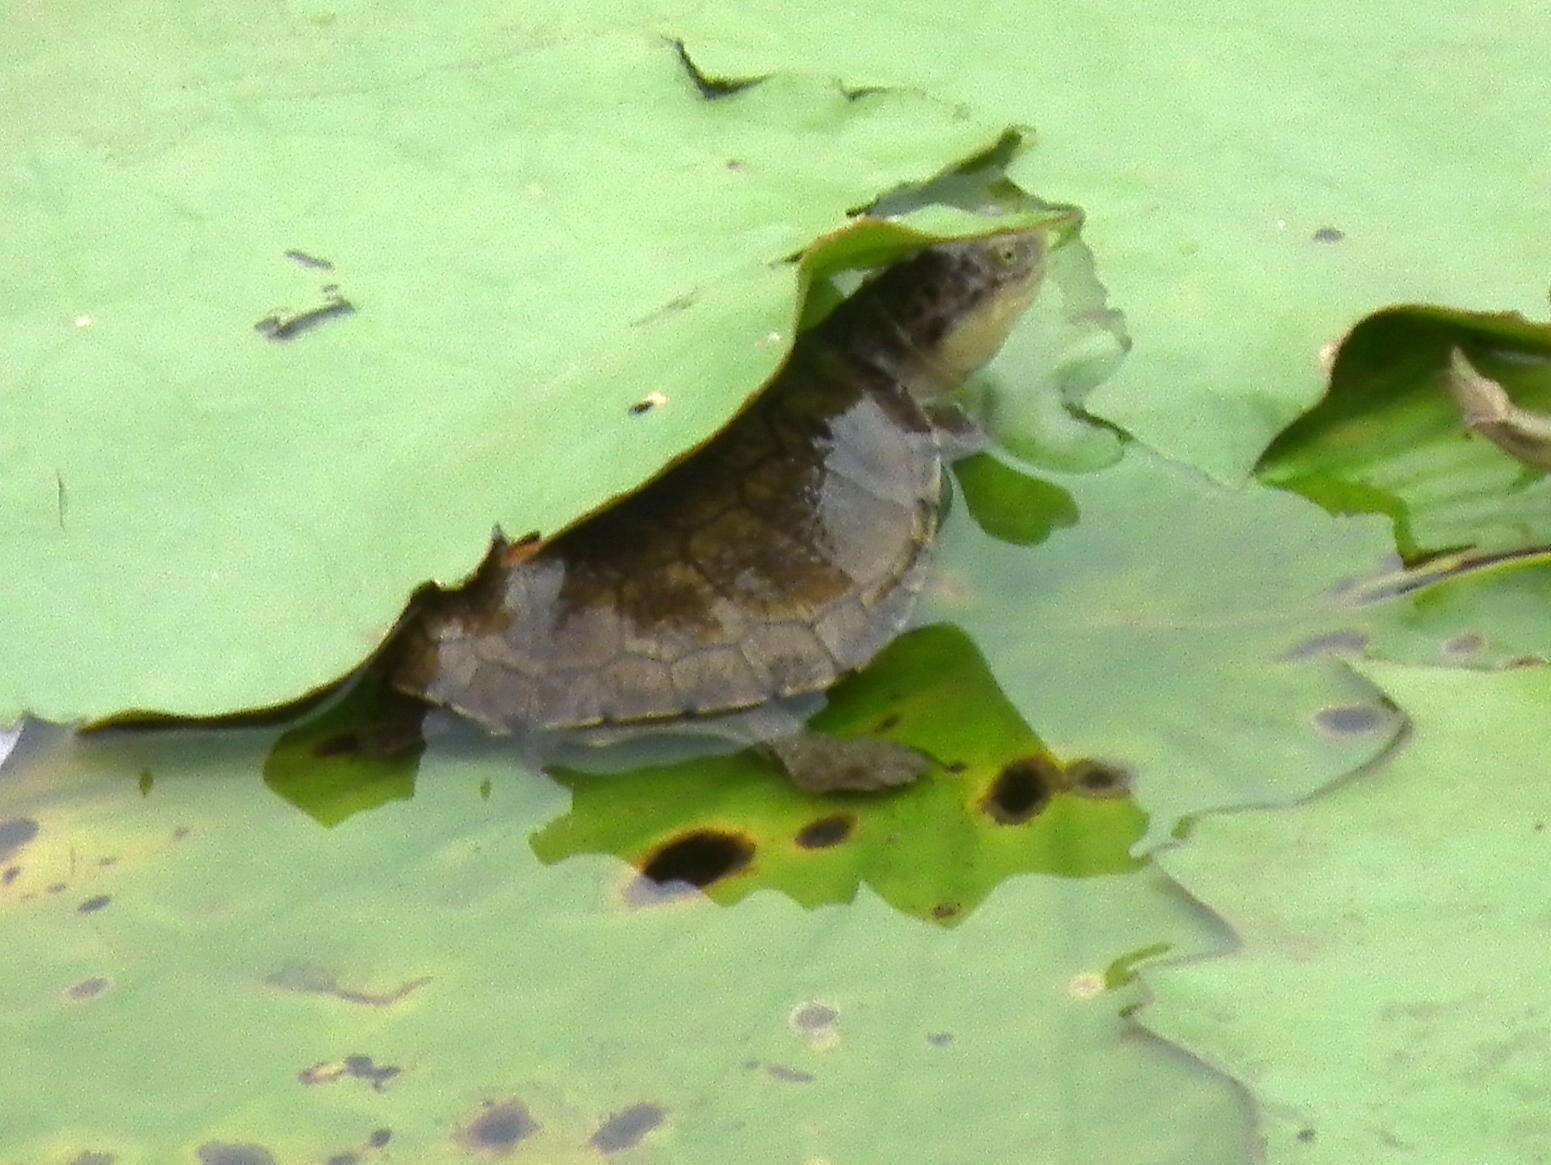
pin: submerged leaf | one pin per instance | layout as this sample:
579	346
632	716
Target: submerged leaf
997	804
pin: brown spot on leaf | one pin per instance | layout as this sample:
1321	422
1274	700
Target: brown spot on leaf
86	989
1094	778
814	1017
1464	645
497	1128
826	831
216	1153
1021	790
624	1130
16	832
698	858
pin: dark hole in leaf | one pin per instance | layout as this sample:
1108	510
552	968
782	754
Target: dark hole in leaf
499	1127
379	1138
698	858
1020	790
1098	779
624	1130
1329	235
826	831
1348	720
215	1153
16	832
91	905
814	1017
87	989
940	1039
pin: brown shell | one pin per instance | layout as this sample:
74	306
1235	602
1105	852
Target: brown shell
782	555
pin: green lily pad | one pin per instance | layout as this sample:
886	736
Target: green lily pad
1389	439
1386	999
274	362
1253	184
200	965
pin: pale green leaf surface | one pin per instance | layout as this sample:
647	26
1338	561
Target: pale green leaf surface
241	951
198	518
1387	1001
1209	149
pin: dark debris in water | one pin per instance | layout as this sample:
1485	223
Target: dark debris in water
497	1128
92	905
1095	778
218	1153
357	1067
624	1130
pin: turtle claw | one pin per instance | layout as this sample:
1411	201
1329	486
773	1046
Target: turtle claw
827	764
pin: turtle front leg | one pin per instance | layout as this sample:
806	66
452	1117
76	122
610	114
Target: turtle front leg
825	764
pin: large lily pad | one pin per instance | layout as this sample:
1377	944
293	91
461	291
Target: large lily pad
1387	1001
281	345
199	965
1254	184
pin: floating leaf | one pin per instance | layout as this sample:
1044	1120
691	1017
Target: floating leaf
1253	185
1389	439
282	345
200	965
1386	999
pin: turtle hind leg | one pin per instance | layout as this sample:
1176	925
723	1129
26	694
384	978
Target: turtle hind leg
825	764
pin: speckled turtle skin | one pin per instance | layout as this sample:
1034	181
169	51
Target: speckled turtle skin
776	559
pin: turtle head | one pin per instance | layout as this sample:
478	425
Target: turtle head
987	285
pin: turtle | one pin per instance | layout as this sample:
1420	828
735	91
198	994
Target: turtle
730	592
